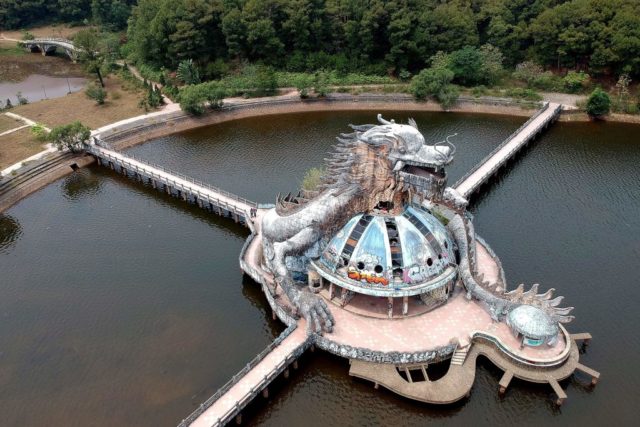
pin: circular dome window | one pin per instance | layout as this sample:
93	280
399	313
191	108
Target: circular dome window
378	269
360	265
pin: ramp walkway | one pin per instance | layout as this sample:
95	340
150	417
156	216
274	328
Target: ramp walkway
254	378
215	199
488	166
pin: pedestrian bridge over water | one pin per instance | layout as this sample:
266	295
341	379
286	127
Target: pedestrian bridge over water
48	45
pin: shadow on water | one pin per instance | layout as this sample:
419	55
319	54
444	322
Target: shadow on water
10	231
210	218
81	183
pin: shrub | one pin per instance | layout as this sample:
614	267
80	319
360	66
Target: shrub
466	64
527	71
321	83
96	92
575	82
21	99
492	60
404	75
303	83
188	72
430	82
8	105
598	103
312	179
70	136
39	132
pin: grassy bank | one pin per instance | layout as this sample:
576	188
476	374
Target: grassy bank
121	103
17	146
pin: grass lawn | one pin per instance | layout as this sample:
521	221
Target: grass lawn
122	102
17	146
7	123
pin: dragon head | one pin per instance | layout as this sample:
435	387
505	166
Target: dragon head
417	164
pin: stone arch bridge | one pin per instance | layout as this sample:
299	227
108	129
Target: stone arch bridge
48	45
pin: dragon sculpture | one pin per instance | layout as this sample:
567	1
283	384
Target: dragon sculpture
386	165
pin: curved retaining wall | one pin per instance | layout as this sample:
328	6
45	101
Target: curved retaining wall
173	120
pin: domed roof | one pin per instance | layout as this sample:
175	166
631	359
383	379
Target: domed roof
390	252
532	322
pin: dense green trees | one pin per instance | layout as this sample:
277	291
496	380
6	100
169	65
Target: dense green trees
370	36
113	14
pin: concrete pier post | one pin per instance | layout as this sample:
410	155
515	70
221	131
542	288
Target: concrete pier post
331	291
200	203
112	166
405	305
390	307
167	188
123	171
235	217
286	373
504	382
154	184
239	419
185	196
265	392
99	161
295	364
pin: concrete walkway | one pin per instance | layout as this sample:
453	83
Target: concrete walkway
28	123
458	381
490	165
252	382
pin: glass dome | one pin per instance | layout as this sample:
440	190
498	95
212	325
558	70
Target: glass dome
393	252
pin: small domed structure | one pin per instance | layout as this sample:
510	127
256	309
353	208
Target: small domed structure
533	325
384	255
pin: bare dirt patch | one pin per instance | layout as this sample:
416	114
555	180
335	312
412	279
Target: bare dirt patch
7	123
122	102
17	146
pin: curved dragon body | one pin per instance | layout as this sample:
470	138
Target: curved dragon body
387	164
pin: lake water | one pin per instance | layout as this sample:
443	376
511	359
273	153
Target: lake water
37	87
123	306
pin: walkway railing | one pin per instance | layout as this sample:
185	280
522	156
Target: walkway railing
244	371
501	146
522	360
91	149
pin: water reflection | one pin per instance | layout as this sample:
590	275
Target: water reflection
81	184
37	87
10	232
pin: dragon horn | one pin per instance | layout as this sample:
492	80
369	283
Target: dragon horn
385	122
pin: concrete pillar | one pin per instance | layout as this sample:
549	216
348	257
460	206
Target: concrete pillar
123	170
331	291
286	373
239	419
235	217
185	196
112	166
273	315
390	307
200	203
375	386
265	392
295	364
167	188
99	161
154	184
405	305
